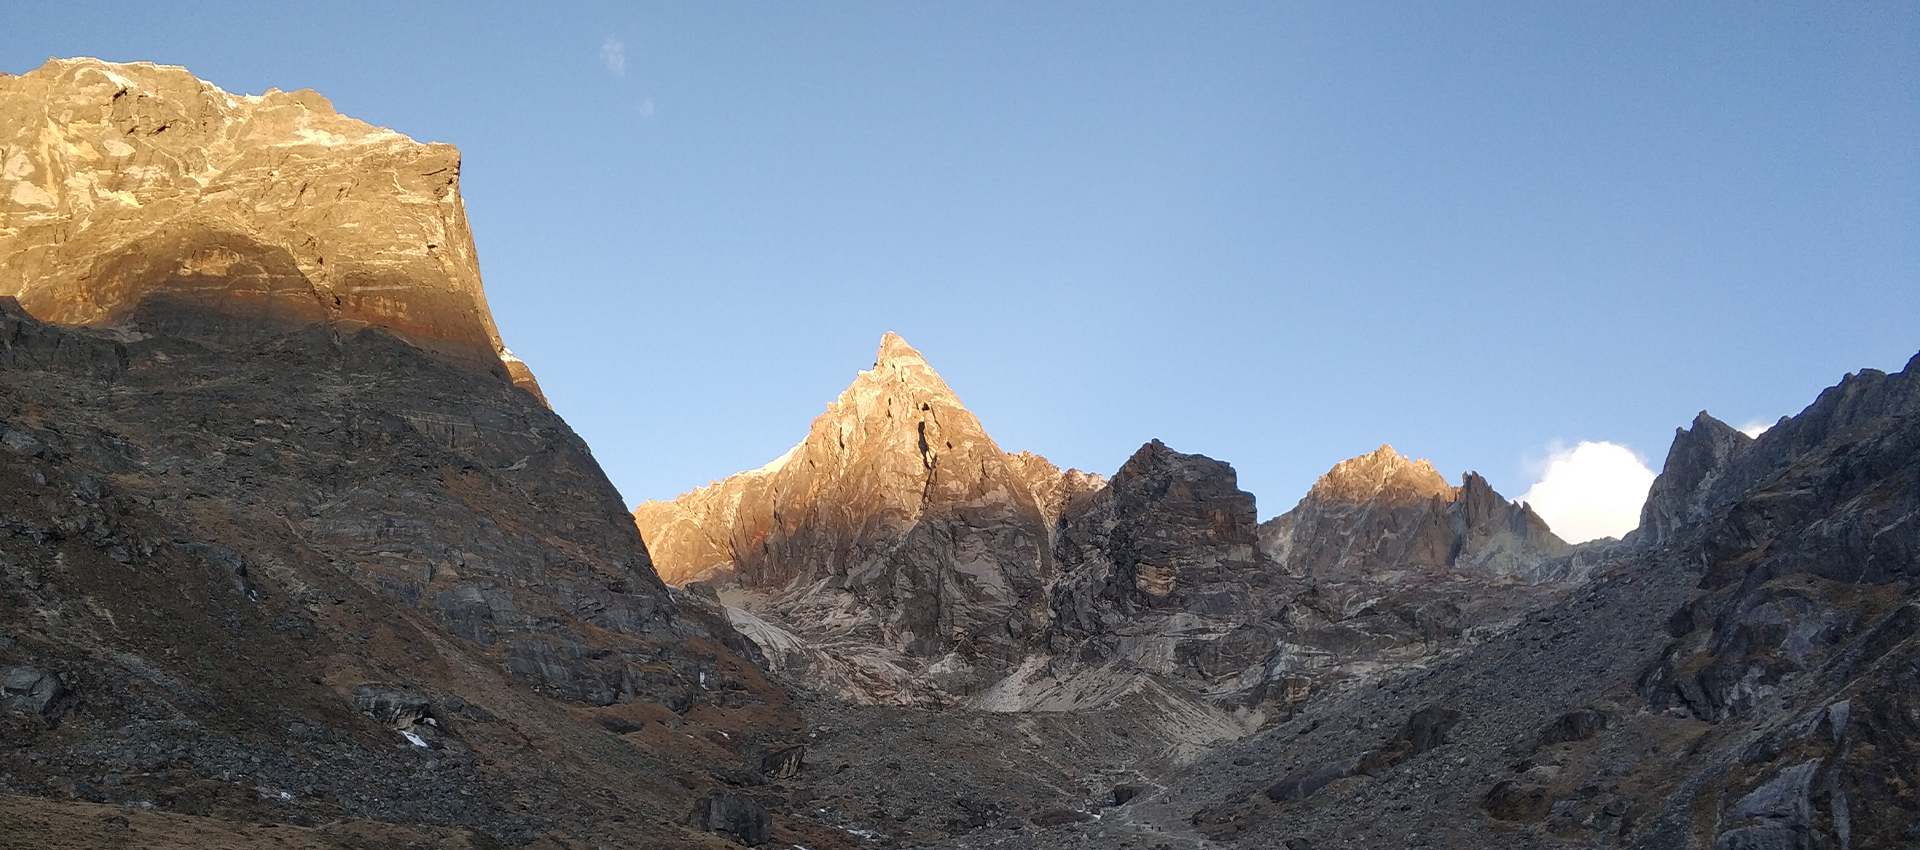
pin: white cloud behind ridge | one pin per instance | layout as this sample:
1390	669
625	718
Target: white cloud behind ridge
1592	490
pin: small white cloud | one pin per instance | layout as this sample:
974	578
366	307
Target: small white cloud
613	54
1756	427
646	108
1592	490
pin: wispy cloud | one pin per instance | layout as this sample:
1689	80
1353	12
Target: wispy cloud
646	108
1756	427
1592	490
613	54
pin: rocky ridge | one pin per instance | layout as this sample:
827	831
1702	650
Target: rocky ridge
1155	585
1744	682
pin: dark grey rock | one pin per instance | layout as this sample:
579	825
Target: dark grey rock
31	690
740	817
400	708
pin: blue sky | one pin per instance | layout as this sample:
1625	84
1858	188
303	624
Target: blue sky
1277	234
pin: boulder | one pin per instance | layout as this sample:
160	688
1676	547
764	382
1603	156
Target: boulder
1517	800
1577	725
30	690
742	818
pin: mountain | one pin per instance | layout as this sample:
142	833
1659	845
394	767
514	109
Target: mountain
897	524
280	543
1383	512
898	556
123	182
1741	680
292	553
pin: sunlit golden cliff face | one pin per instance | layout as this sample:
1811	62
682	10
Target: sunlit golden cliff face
120	183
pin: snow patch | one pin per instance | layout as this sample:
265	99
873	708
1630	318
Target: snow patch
413	739
779	463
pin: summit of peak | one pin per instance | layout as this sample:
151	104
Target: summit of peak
894	347
1381	472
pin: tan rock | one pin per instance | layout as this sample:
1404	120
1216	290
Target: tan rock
120	183
897	522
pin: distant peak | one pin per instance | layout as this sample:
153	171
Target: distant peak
895	348
1381	472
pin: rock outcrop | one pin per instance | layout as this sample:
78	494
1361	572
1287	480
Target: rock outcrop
1158	564
122	183
1166	525
1164	572
1700	455
1382	512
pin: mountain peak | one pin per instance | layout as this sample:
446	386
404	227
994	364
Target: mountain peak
1381	473
894	348
898	497
901	374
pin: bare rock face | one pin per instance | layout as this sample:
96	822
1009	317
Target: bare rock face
691	537
1168	526
324	560
896	523
1383	512
1700	455
122	183
1054	488
1160	574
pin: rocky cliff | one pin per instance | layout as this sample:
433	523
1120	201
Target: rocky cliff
1701	455
120	183
1383	512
